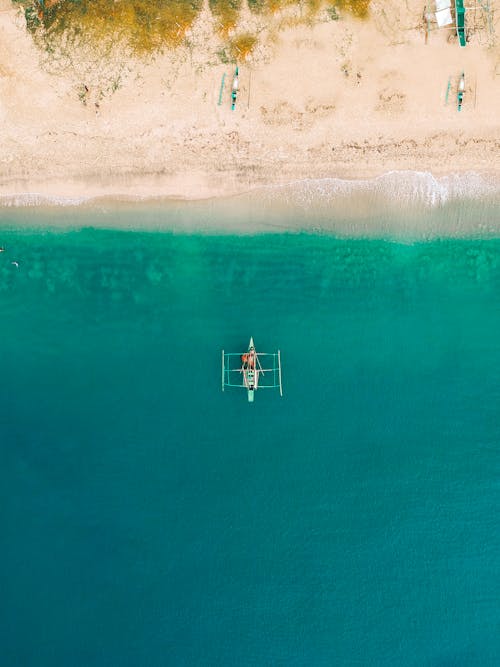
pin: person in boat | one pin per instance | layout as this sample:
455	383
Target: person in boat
248	360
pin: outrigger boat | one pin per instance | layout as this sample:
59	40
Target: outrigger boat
244	369
234	90
460	91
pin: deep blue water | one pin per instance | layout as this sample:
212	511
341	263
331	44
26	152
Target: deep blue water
150	519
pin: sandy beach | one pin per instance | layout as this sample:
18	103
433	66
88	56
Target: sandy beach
333	99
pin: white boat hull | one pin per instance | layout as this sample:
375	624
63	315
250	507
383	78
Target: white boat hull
250	370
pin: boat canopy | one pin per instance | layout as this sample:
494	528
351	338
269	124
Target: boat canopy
443	13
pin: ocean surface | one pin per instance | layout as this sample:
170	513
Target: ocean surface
150	519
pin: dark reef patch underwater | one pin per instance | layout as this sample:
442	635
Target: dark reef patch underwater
150	519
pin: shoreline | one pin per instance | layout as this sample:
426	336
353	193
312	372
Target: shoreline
429	188
410	206
156	188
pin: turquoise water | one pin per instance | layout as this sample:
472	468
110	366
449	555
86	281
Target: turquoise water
150	519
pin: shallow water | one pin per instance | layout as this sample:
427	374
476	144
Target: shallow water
148	518
404	205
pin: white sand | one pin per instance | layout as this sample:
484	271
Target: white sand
338	99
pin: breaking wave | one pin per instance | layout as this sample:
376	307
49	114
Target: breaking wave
404	204
32	199
400	188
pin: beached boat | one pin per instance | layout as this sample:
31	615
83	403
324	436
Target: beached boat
245	370
460	21
234	90
460	91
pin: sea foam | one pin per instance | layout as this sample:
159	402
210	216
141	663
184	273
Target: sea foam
396	187
408	204
409	188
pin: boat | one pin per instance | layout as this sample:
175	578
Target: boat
252	370
460	91
460	22
234	90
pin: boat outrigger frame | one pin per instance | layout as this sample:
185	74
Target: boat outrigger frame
246	370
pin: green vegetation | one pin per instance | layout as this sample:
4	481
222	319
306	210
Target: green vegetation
226	12
357	8
242	46
269	6
146	26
